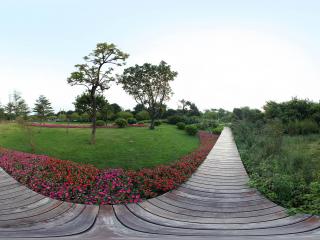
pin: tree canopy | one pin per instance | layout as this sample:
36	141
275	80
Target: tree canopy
149	85
43	107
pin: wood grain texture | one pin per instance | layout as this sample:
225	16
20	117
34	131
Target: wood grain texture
215	203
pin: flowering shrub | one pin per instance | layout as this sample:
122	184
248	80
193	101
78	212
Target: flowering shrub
81	183
52	125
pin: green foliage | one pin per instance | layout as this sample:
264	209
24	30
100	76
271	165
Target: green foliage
293	110
83	103
121	122
191	129
43	107
192	119
149	85
125	115
303	127
100	123
188	108
157	122
74	117
181	125
218	129
142	115
85	117
284	168
16	107
176	118
132	120
96	75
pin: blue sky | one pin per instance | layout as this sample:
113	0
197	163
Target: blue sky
228	53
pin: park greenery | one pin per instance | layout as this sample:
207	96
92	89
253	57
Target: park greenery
115	148
149	86
279	144
280	148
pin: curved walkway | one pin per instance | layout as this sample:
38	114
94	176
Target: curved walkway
214	203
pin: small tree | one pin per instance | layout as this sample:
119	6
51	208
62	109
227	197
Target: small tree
83	104
149	85
43	108
96	76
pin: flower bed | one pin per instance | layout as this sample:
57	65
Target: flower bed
52	125
80	183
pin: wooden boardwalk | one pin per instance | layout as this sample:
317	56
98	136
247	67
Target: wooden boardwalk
215	203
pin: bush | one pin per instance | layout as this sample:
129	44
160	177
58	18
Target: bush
202	126
308	126
121	122
100	123
302	127
157	122
217	130
132	121
142	115
181	125
191	129
125	115
191	120
176	118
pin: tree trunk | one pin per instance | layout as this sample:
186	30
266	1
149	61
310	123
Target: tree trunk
152	123
94	118
94	127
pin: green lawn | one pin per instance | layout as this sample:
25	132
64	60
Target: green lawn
132	148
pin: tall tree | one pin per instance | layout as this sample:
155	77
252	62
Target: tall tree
96	74
43	108
17	106
149	85
193	109
183	105
2	114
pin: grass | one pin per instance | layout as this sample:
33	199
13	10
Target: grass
303	153
130	148
284	168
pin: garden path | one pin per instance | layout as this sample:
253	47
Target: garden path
215	202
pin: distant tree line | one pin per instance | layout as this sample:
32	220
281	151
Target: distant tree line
297	116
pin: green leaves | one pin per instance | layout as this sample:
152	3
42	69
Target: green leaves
96	73
149	85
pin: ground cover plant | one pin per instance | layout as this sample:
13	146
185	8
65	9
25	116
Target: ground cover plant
285	167
81	183
116	147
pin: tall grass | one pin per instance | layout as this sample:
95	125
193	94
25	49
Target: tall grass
284	168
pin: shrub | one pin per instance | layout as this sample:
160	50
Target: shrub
142	115
191	129
157	122
132	121
217	130
308	126
125	115
181	125
176	118
100	123
121	122
302	127
191	120
202	125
